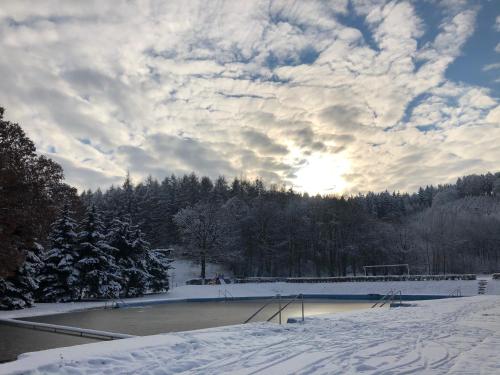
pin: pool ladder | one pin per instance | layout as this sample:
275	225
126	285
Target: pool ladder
114	302
389	297
280	308
227	295
481	286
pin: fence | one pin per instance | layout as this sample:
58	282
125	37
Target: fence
348	279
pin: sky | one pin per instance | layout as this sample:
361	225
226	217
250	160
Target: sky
323	96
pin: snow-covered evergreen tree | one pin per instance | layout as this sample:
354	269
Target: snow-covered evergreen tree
59	276
19	291
127	198
158	263
151	211
96	266
132	256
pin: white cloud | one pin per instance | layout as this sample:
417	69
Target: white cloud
494	66
250	87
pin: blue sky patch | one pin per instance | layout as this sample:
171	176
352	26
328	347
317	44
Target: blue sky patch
479	51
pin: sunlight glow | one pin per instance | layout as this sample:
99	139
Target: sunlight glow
322	174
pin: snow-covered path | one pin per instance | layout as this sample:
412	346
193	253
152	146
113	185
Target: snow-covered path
450	336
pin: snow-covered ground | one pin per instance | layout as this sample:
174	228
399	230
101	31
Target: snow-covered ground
413	288
184	270
451	336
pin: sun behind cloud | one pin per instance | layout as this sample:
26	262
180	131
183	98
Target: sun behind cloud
322	174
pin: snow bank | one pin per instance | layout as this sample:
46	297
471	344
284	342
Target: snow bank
432	337
184	270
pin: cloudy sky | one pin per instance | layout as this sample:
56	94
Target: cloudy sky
327	96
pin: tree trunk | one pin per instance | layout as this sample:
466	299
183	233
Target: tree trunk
203	265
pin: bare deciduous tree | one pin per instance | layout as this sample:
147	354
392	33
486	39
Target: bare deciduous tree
201	228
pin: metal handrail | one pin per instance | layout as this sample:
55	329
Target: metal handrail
262	308
456	292
391	300
286	305
389	293
389	297
226	292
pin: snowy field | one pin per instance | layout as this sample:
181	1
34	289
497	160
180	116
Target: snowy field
184	270
415	288
451	336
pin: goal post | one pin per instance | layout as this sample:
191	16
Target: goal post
386	269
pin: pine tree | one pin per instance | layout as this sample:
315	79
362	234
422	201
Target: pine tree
110	205
221	190
137	266
59	277
158	263
127	197
96	264
131	256
19	291
169	201
151	214
206	188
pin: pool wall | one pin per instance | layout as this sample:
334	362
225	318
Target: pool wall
344	297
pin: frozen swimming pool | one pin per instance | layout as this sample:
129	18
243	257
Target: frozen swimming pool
161	318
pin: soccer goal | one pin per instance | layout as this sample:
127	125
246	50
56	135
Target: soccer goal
387	269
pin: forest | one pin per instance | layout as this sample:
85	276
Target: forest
275	231
61	245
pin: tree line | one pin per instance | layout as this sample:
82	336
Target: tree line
274	231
